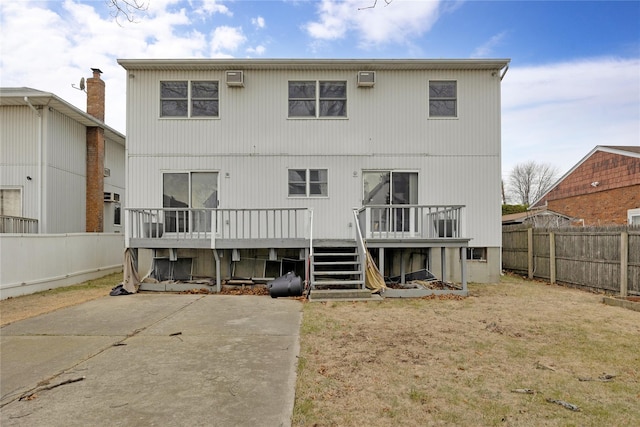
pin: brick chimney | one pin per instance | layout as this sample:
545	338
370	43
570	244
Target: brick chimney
95	155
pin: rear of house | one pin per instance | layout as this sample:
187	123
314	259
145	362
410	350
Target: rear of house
250	168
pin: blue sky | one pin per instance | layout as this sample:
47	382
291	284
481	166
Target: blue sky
573	83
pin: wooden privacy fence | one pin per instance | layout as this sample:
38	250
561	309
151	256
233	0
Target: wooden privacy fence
603	258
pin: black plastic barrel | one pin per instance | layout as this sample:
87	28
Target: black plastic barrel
288	285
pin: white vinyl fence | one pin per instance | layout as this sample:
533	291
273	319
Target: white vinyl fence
35	262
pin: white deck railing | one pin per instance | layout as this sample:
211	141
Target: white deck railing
212	224
411	222
17	224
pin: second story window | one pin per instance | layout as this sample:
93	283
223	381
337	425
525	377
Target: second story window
189	99
315	99
443	98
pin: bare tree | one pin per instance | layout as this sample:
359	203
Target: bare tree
127	8
530	180
375	3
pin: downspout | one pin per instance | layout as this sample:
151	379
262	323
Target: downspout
500	99
41	225
504	72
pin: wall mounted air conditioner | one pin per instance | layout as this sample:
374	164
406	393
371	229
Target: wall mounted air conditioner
111	197
366	78
235	78
107	172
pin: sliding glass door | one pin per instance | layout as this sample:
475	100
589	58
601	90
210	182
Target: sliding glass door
388	191
196	190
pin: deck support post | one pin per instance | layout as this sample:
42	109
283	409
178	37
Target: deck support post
307	267
463	268
443	264
402	268
381	261
218	279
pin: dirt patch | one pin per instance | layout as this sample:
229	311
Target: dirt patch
514	353
244	290
423	284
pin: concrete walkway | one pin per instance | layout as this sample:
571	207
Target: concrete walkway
153	360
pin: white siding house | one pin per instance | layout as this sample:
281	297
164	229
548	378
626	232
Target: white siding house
53	186
251	167
43	173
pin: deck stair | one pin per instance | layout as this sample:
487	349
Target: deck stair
337	273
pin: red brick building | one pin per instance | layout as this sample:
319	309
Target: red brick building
603	188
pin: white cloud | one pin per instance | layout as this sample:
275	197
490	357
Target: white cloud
74	36
398	22
258	50
227	39
210	7
486	49
557	113
258	22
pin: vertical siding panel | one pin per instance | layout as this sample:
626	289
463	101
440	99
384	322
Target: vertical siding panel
19	154
65	148
114	160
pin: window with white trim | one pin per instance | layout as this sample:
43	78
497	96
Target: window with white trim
443	98
183	98
189	190
308	183
314	99
117	214
477	254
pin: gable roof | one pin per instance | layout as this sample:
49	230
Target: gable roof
622	150
18	96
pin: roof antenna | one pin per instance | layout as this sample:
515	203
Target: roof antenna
82	87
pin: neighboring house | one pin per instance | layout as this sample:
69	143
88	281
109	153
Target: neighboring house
601	189
62	170
538	218
249	168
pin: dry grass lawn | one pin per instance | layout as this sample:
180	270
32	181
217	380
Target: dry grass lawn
424	362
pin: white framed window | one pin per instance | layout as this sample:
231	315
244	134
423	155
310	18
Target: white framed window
633	216
189	190
477	254
443	98
316	99
386	191
184	98
308	182
389	187
117	214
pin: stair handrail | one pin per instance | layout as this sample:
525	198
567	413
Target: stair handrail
362	249
309	266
